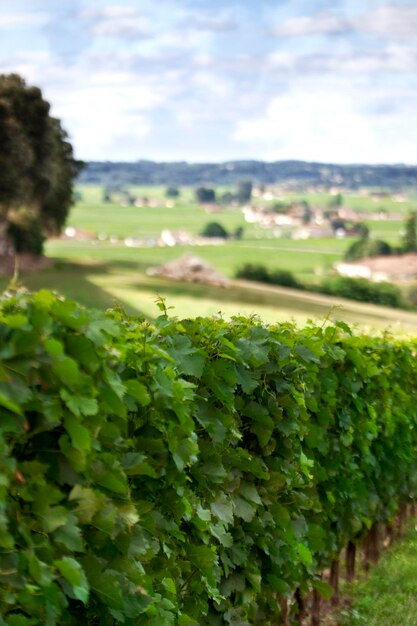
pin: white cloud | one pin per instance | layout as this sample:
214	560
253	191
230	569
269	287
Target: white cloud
111	12
328	124
118	21
282	61
209	84
187	40
101	117
212	25
16	20
119	29
184	88
394	21
320	23
390	21
33	66
106	112
391	58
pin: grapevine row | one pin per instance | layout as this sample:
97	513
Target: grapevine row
190	471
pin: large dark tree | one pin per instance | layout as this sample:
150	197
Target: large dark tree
37	167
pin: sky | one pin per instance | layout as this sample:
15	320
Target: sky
218	80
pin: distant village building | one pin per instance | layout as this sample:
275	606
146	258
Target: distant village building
174	238
399	268
77	234
268	218
313	231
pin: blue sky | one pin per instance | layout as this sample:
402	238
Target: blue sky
200	80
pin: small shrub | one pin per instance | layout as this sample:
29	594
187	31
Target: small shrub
363	248
378	247
411	295
255	272
284	278
356	250
172	192
262	274
364	291
205	195
214	229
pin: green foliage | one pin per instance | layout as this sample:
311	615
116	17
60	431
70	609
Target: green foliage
365	247
363	290
188	471
362	230
409	239
411	295
359	289
378	247
281	207
214	229
336	201
37	167
25	232
227	198
205	196
244	191
238	234
390	590
262	274
172	192
357	250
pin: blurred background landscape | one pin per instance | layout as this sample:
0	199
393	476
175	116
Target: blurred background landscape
238	159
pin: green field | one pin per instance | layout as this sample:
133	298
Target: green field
101	273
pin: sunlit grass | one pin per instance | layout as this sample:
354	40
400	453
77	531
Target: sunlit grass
389	596
104	284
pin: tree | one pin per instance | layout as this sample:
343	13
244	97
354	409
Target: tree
336	201
362	230
214	229
338	223
205	195
378	247
227	197
307	212
37	166
106	198
238	234
409	238
172	192
244	191
356	250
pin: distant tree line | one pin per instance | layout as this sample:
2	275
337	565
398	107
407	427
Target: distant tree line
231	173
208	195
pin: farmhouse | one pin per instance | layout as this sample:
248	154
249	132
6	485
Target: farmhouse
399	268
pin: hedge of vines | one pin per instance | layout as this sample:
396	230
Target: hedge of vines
188	472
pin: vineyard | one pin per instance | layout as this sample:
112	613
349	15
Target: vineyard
192	472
